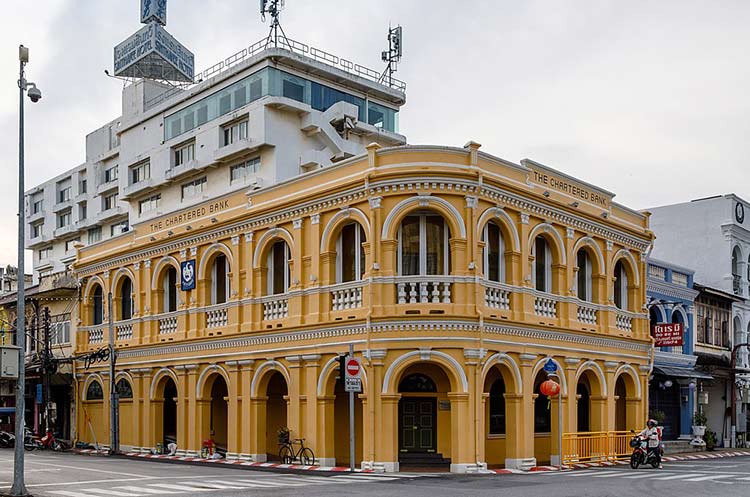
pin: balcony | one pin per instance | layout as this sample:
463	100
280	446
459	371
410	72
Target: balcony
545	305
177	172
216	317
68	229
737	284
275	307
124	330
61	206
36	216
167	325
586	313
38	241
144	186
96	335
106	187
424	290
624	321
110	214
234	150
496	296
347	296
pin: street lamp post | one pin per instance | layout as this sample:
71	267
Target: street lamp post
19	488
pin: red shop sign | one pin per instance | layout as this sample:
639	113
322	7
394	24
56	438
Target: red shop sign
668	335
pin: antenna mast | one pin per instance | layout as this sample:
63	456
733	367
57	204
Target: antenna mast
273	8
393	55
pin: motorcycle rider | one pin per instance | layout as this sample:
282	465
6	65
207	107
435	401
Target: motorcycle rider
651	433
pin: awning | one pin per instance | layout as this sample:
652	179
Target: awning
678	372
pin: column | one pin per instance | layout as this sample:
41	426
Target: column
525	443
187	409
311	370
234	430
246	432
294	393
373	413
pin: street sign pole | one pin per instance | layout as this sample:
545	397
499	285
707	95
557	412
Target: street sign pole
351	418
552	372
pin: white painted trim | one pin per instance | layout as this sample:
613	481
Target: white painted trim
221	247
157	377
502	358
548	228
625	254
92	280
453	362
540	364
166	260
213	368
269	235
634	374
350	213
326	371
499	213
590	242
91	377
593	366
273	365
118	275
422	199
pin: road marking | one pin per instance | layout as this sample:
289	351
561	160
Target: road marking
143	490
31	461
649	475
172	486
677	477
589	472
244	484
210	486
73	494
709	477
108	491
610	475
363	477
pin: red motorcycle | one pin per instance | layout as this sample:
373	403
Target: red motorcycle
48	441
641	454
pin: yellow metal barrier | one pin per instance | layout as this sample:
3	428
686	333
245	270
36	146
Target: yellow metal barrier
595	446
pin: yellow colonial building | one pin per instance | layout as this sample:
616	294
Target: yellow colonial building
455	274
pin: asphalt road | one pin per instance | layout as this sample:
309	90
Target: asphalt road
68	475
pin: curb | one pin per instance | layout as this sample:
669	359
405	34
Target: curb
674	458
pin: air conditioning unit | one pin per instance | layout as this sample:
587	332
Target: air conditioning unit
255	183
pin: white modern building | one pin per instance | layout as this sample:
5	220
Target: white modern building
712	235
262	116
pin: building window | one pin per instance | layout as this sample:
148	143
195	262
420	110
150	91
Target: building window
70	244
494	253
123	388
497	407
45	253
423	246
542	267
243	171
94	391
37	205
232	133
126	299
194	188
679	278
583	276
382	117
170	290
278	268
621	286
350	254
63	219
140	172
63	191
109	201
118	228
60	332
82	211
95	235
97	314
111	173
36	230
82	186
150	204
219	280
184	154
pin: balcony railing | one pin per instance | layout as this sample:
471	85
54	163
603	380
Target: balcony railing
423	290
545	306
167	325
96	335
586	313
216	318
346	298
275	308
496	296
623	321
124	331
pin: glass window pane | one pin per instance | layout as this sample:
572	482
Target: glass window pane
410	246
279	267
361	252
583	263
435	244
540	252
348	253
221	279
494	254
497	408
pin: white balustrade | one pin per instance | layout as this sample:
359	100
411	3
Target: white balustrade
96	335
623	322
167	325
586	314
124	331
545	306
348	298
425	291
497	298
216	318
277	308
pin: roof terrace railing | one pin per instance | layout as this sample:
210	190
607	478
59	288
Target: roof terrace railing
294	47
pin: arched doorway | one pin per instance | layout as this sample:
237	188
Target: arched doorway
424	417
276	412
621	413
542	421
583	405
165	411
341	427
217	421
496	419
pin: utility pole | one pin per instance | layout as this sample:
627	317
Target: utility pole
114	443
46	365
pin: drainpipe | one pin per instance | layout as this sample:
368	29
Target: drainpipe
479	430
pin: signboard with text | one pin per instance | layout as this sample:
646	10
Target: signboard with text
668	335
152	53
352	378
154	10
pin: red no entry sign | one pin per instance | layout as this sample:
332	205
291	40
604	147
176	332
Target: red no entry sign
352	367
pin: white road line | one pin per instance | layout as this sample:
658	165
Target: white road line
650	474
143	490
589	472
243	484
210	486
109	491
709	477
677	477
745	479
120	473
172	486
614	474
67	493
363	477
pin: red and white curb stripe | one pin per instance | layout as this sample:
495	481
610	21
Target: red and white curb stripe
298	467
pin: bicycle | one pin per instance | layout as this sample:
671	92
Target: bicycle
288	455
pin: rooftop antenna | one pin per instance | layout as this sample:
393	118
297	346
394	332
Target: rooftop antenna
393	55
273	8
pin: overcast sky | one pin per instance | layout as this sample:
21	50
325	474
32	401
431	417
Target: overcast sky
647	99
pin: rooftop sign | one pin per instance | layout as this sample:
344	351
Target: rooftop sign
561	183
154	10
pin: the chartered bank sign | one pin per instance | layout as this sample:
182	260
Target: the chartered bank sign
154	54
194	214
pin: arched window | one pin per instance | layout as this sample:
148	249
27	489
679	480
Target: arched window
621	286
542	265
417	383
169	283
98	301
278	268
94	391
123	388
497	407
126	299
736	278
583	280
350	254
219	280
494	253
423	245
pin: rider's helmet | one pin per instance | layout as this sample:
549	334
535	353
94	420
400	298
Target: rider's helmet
651	423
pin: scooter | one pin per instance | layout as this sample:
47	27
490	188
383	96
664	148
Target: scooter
7	440
31	441
641	455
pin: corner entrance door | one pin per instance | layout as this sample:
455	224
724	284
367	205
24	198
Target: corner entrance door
417	424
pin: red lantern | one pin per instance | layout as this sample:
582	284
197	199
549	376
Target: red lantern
549	388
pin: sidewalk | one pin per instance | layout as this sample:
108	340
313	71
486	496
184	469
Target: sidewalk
688	456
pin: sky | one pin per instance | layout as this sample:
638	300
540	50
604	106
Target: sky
646	99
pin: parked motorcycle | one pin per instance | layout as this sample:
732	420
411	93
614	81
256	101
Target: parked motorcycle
641	456
7	440
31	441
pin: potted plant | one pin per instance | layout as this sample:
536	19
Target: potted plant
283	435
699	424
710	439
